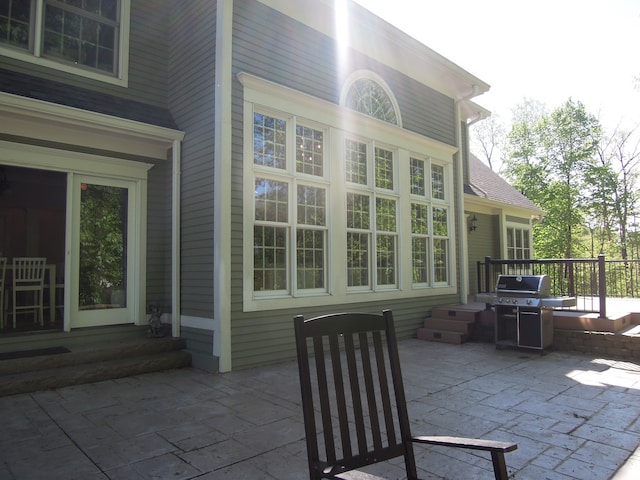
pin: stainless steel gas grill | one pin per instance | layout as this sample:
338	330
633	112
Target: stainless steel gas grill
524	315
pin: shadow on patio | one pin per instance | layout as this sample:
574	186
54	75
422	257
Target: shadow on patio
573	416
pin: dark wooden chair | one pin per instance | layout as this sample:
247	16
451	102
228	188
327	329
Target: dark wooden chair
353	399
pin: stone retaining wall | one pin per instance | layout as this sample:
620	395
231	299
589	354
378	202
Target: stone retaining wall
605	344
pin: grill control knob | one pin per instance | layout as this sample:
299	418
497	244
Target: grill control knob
529	301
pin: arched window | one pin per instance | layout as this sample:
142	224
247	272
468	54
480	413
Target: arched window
372	97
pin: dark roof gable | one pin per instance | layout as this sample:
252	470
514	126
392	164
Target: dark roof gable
485	183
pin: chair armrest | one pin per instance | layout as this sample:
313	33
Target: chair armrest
469	443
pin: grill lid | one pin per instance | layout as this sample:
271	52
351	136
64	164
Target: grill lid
533	285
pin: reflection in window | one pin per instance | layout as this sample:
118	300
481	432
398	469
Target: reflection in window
85	33
103	253
355	162
290	208
384	168
269	141
368	97
518	246
309	151
417	177
437	182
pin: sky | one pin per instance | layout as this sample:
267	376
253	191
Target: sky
547	50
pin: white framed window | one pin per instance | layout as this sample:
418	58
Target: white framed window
337	205
518	243
367	93
85	37
372	215
289	205
430	223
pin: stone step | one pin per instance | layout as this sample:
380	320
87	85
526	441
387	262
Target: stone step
36	380
571	320
86	359
92	353
448	324
443	336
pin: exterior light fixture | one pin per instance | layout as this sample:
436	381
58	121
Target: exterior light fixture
474	223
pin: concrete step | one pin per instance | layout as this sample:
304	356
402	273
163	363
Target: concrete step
443	336
571	320
92	353
437	323
92	361
36	380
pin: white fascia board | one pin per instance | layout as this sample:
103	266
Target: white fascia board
471	112
23	116
493	207
390	46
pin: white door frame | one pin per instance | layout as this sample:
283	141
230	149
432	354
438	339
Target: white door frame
97	166
105	316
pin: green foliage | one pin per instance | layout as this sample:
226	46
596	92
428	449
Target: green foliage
552	160
103	222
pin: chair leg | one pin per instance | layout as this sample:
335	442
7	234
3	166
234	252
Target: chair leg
41	301
499	466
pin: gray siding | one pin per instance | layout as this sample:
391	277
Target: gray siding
273	47
159	235
192	104
200	346
269	45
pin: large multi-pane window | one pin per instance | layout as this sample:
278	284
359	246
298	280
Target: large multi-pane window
79	33
372	244
290	207
429	223
352	211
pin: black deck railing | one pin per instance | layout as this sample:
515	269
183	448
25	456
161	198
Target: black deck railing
590	280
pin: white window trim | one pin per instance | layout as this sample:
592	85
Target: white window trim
342	123
526	230
72	163
122	77
369	75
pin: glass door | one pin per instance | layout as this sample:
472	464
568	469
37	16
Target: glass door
103	231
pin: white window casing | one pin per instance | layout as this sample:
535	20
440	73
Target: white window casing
33	51
340	124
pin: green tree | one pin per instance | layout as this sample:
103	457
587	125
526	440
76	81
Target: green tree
570	141
550	160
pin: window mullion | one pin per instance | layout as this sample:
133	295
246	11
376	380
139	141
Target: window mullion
38	29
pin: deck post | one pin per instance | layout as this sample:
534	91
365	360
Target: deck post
602	286
487	274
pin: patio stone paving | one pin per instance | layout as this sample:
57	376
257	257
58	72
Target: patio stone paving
573	417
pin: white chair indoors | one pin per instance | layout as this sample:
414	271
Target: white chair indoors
28	287
3	271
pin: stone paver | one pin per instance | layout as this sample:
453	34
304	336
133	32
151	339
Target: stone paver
574	417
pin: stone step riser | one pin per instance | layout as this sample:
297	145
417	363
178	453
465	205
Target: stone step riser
454	313
126	349
455	338
461	326
92	372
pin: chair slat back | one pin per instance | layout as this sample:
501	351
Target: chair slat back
3	271
352	394
28	270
